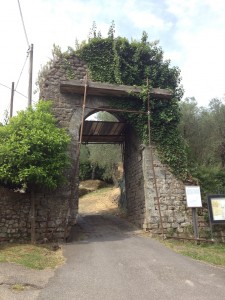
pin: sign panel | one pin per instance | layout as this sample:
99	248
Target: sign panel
193	196
216	205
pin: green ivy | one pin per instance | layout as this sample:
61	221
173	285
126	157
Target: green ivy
120	61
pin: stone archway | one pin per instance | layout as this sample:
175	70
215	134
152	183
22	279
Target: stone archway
67	96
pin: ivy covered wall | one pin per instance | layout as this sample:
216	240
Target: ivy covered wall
120	61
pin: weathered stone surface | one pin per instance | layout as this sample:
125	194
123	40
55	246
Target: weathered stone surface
15	215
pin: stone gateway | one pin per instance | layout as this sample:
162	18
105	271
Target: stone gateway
57	211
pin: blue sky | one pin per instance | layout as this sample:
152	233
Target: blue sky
191	33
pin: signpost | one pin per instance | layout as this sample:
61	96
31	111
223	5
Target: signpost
216	204
193	196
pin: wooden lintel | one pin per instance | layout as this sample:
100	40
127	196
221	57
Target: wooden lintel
103	139
106	89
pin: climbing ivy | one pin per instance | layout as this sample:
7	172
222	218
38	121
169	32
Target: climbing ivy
120	61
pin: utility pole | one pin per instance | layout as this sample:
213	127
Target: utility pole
30	76
11	101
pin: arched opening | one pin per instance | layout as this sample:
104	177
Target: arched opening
101	163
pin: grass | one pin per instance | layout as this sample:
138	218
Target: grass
210	253
18	287
100	201
31	256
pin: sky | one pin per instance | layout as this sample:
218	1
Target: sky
191	34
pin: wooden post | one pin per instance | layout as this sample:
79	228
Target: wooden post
33	219
30	76
74	186
11	101
195	224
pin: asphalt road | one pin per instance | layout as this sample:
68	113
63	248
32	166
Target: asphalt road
109	259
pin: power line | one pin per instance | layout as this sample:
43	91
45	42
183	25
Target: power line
5	86
21	94
24	28
14	90
22	69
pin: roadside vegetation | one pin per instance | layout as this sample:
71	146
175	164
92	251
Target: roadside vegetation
210	253
31	256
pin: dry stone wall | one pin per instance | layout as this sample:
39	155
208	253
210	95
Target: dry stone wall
135	197
176	217
51	216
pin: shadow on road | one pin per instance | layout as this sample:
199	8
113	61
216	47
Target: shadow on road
102	227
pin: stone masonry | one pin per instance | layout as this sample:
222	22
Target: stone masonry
57	211
51	213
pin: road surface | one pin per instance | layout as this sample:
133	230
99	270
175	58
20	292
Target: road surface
110	259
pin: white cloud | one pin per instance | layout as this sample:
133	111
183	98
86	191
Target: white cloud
146	20
200	35
191	32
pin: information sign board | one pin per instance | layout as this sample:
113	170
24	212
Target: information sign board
216	205
193	196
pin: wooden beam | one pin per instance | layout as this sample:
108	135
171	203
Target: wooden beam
106	89
103	139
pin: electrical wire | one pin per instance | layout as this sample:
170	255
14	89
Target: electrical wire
22	69
14	90
24	28
5	86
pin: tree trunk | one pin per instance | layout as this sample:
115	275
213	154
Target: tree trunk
114	178
33	219
93	171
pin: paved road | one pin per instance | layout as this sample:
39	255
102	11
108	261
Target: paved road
112	260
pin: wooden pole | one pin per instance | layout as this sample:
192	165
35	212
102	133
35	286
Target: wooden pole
152	162
83	110
11	101
195	223
75	174
30	76
33	219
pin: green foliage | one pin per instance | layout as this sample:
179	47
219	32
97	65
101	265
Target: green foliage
85	170
211	253
204	132
119	61
106	157
33	150
211	179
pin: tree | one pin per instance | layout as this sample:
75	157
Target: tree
106	157
192	126
217	108
204	131
33	152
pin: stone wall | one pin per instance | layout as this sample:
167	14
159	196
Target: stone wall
142	206
176	217
134	183
51	216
